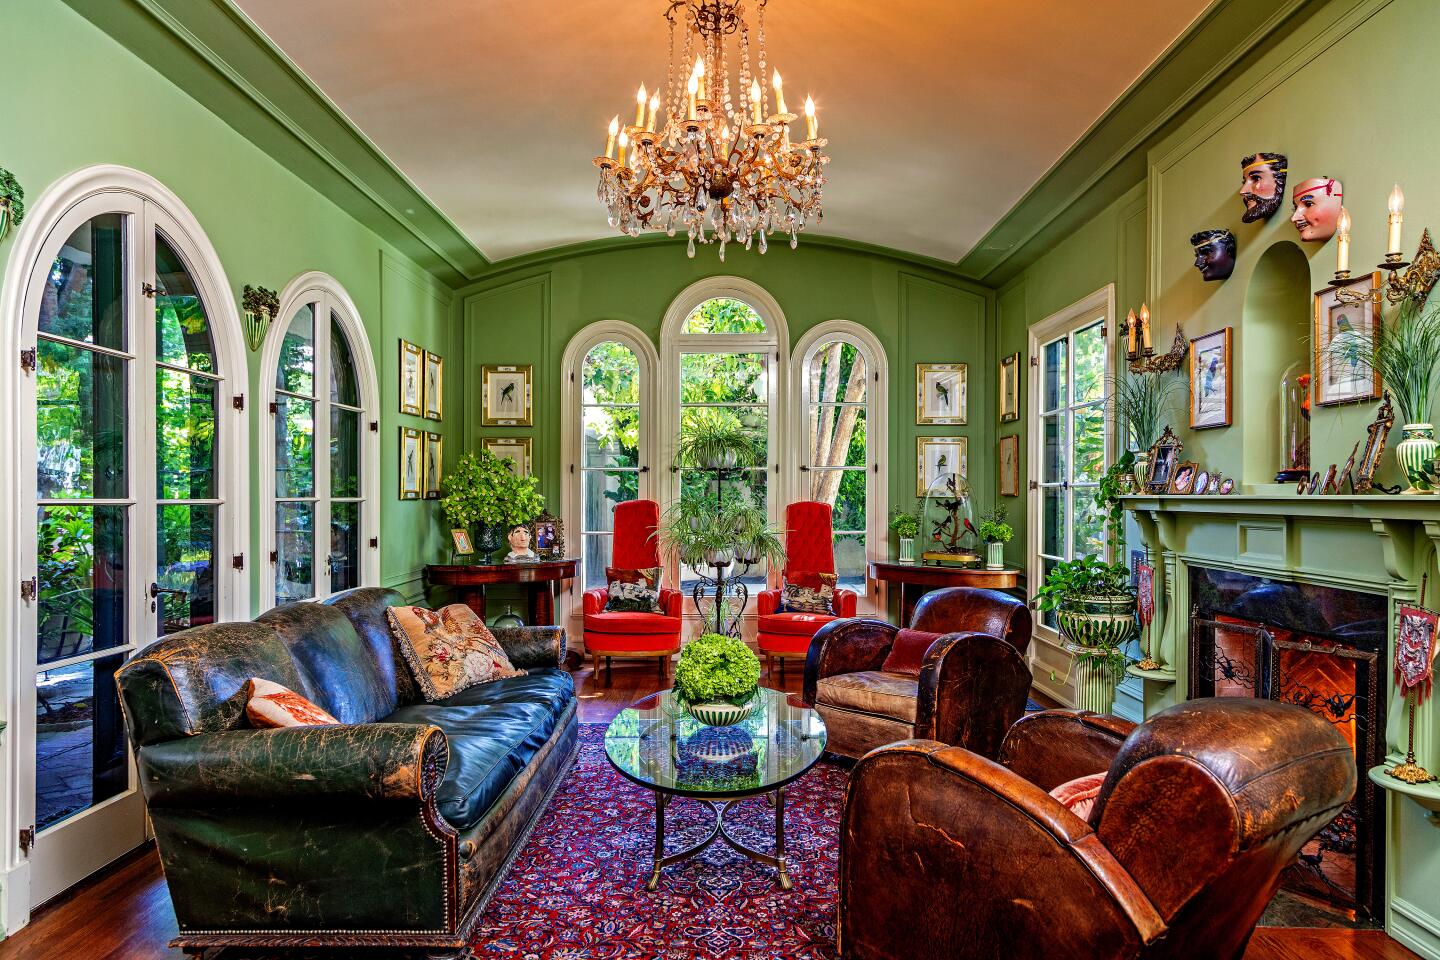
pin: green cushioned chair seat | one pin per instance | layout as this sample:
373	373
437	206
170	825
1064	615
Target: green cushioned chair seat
489	747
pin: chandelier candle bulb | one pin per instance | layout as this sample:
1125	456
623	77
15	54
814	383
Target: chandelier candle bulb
610	144
779	94
812	126
1130	331
1396	218
1342	244
624	140
757	101
700	76
654	108
640	99
692	87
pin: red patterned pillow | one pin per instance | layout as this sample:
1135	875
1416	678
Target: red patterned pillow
449	649
268	705
907	653
1079	795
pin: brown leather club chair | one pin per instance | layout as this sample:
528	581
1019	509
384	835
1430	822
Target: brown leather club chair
958	674
1201	809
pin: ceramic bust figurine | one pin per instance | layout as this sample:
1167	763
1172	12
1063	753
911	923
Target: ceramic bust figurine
1262	185
520	552
1317	208
1214	253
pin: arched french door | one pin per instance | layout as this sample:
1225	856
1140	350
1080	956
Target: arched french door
130	493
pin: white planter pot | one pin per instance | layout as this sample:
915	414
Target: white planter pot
907	549
994	556
721	714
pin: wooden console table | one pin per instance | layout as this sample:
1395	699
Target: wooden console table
471	579
918	579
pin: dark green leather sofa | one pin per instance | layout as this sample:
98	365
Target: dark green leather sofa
389	831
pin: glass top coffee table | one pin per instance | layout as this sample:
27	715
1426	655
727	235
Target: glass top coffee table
657	744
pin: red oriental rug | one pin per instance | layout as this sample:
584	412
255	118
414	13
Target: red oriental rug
576	890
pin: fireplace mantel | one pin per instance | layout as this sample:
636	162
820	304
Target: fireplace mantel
1372	543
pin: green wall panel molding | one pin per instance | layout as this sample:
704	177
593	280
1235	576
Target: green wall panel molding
212	51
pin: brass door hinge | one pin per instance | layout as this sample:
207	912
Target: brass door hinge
238	561
149	290
28	360
27	840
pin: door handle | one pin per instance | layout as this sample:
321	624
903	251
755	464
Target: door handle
156	590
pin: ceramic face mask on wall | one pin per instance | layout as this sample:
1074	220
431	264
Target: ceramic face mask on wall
1317	208
1214	253
1262	185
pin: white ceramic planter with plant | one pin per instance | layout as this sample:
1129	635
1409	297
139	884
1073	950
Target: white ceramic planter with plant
996	531
1094	608
906	526
716	679
12	202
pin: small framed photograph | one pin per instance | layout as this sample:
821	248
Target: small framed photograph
1347	472
1210	380
1376	435
1010	466
463	546
1341	337
1164	455
937	456
411	463
1327	483
1202	482
1214	484
940	393
506	395
1183	480
1227	487
1316	480
412	363
434	465
549	535
434	386
516	450
1010	388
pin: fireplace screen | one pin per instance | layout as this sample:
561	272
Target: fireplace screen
1318	648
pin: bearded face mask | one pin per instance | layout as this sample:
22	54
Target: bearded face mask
1317	208
1262	185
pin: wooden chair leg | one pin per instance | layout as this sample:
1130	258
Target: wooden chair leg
660	664
609	676
595	668
782	669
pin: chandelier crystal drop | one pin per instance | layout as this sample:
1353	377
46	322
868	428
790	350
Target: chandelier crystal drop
722	166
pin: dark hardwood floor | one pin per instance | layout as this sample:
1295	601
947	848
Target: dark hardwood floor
124	913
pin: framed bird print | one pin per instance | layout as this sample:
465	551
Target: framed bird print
1010	388
506	395
434	386
940	393
1010	466
434	461
411	371
411	460
1343	337
937	456
513	450
1210	381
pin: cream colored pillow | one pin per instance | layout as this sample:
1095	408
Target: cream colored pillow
269	705
449	649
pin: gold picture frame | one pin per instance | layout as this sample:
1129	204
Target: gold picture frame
433	387
461	538
1375	436
1211	383
507	395
434	465
411	463
1010	466
1182	481
1010	388
1351	379
517	450
1164	456
933	457
412	364
942	393
547	536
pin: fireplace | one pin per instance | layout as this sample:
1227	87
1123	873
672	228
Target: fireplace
1322	648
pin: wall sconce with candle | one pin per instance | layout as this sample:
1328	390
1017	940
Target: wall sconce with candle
1402	284
1141	353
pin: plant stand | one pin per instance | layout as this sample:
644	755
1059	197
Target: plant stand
726	593
1095	682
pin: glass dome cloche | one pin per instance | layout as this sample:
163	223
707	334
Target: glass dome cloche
946	530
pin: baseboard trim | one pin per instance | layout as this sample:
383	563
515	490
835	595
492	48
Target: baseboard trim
1414	927
15	898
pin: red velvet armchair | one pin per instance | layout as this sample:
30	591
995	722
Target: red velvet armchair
634	546
810	550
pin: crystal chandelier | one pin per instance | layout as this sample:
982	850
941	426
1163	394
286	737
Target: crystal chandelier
722	166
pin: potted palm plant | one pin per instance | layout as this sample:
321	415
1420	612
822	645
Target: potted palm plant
1406	352
996	531
1095	610
905	524
716	679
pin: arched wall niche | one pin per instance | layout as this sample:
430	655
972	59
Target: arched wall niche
1274	332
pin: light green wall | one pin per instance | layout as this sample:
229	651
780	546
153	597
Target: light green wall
919	314
99	104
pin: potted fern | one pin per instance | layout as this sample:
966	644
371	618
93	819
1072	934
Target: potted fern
1406	352
1095	610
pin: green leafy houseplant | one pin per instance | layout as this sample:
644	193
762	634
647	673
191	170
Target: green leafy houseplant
905	524
483	491
1095	608
1116	482
12	202
713	438
698	532
994	526
714	668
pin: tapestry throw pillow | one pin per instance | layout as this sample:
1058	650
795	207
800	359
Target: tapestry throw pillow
907	653
817	596
633	591
269	706
1079	795
449	649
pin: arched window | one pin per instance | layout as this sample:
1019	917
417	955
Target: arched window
609	384
322	454
721	343
130	511
840	406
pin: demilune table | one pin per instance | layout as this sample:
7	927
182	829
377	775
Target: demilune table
471	579
657	744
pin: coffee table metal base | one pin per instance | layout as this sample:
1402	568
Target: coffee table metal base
775	798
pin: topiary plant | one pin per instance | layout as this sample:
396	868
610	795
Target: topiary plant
716	669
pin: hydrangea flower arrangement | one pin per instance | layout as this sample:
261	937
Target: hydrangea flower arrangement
717	669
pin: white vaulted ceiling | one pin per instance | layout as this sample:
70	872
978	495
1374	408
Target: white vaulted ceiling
940	114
